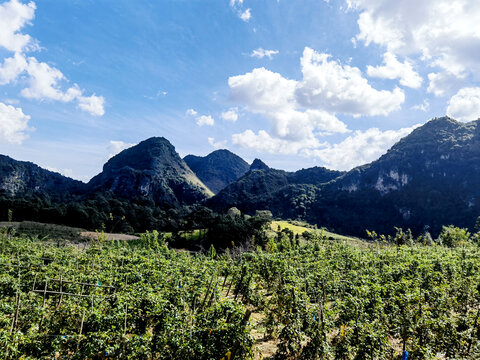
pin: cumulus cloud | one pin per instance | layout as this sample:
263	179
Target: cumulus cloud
360	148
262	90
13	17
44	81
218	144
260	53
205	120
264	142
300	126
116	147
394	69
13	124
443	83
465	104
92	104
443	33
332	87
230	115
302	111
201	120
245	15
44	84
11	68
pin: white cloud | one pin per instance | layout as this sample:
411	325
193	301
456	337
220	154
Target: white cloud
191	112
332	87
230	115
245	15
425	106
262	90
12	67
300	112
237	6
92	104
218	144
13	124
201	119
116	147
44	81
394	69
301	126
13	17
360	148
234	3
260	53
443	33
465	104
443	83
205	120
264	142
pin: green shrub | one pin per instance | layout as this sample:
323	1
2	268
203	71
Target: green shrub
452	236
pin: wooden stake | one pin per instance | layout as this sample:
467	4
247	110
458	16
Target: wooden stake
45	292
61	293
81	330
15	318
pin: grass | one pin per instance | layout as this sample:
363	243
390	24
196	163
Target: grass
300	228
51	231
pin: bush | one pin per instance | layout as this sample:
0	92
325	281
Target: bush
452	236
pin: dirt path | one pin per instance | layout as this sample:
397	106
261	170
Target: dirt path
95	235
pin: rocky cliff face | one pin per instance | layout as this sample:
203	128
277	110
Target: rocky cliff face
217	169
152	170
19	178
428	179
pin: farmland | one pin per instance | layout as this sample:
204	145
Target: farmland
309	299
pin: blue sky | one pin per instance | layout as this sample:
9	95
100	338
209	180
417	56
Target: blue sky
295	83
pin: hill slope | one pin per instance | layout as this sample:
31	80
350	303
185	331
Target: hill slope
217	169
285	193
153	170
428	179
20	178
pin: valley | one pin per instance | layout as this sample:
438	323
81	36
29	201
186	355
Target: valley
145	261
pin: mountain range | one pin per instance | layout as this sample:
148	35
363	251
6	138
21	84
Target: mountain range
428	179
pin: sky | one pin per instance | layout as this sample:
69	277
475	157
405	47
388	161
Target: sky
296	83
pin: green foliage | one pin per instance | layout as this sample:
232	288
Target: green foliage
452	236
212	253
319	300
143	302
226	231
153	240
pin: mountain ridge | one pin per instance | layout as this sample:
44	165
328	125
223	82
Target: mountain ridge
427	179
151	169
217	169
